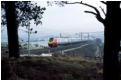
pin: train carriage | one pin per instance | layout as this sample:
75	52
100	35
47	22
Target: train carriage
54	42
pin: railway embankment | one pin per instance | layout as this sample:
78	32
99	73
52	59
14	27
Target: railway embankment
54	49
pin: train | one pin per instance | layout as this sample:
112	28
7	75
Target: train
54	42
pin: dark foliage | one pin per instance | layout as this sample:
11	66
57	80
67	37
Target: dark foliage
25	11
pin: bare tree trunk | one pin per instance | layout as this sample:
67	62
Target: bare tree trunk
112	25
12	29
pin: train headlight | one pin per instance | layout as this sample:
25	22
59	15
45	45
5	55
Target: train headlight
50	42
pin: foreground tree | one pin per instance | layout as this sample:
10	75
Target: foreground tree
13	44
19	14
112	41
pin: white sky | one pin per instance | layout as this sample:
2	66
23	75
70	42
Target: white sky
70	18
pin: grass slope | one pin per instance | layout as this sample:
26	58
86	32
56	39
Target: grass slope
51	68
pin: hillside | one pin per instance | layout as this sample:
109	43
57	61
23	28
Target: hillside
51	68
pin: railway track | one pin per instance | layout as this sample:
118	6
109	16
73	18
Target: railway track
64	48
75	48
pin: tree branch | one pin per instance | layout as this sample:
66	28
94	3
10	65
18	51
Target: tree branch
66	2
90	12
100	19
103	2
98	16
103	11
84	4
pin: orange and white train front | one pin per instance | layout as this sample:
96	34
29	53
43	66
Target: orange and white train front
52	42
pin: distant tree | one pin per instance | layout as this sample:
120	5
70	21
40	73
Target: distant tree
112	24
19	13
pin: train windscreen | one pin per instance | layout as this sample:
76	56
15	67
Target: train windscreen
51	39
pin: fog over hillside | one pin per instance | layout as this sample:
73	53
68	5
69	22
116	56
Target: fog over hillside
42	35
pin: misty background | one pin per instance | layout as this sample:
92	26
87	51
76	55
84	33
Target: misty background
68	21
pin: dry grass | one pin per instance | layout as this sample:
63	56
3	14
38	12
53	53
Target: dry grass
51	68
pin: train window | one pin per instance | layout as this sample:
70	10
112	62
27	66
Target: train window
51	39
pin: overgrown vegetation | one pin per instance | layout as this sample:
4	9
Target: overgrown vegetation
51	68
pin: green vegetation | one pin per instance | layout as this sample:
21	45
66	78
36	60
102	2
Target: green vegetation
51	68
